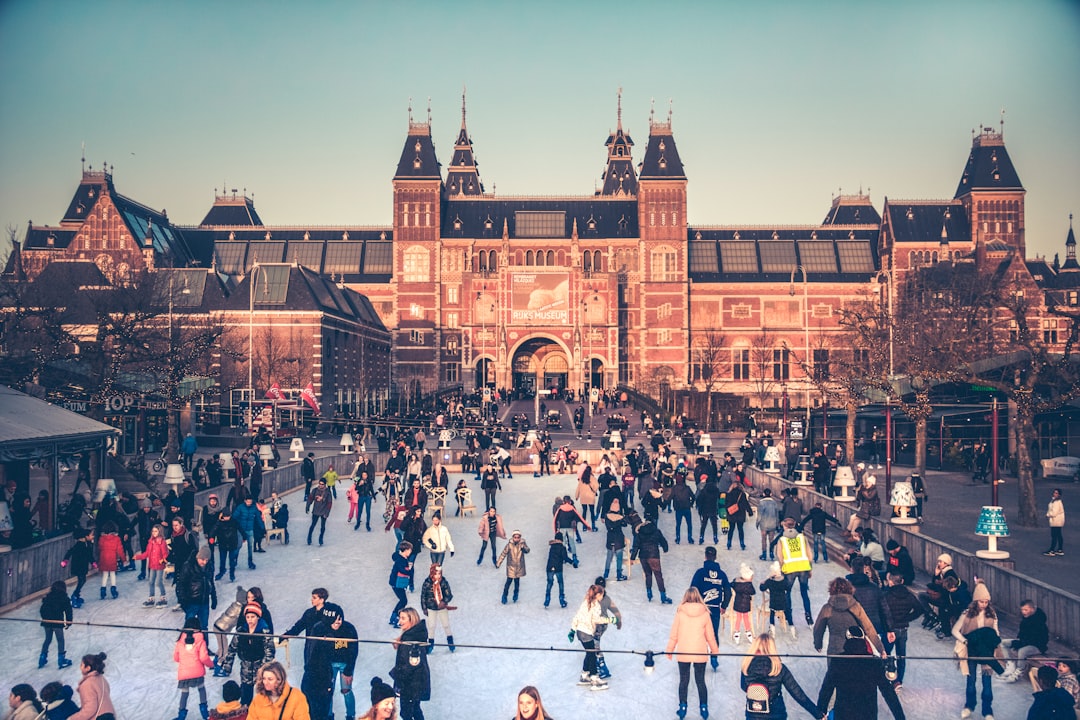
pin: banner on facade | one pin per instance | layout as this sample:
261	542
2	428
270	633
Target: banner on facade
540	298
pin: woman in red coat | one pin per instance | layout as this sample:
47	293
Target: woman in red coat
110	556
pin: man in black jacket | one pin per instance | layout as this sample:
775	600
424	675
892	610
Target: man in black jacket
899	561
343	662
1033	638
856	677
307	471
318	681
195	587
816	518
320	610
903	609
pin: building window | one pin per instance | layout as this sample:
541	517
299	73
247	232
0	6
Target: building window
740	364
452	373
416	265
453	295
663	312
664	264
452	320
821	364
663	337
416	337
539	224
781	369
861	359
1014	331
1074	297
416	311
451	346
1050	332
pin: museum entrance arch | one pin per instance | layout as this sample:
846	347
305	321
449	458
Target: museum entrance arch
539	363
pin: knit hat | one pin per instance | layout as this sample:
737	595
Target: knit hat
980	592
253	608
516	532
774	569
945	558
380	691
204	553
230	691
145	503
892	545
746	572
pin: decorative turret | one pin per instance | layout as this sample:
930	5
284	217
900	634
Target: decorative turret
1071	265
418	161
662	187
991	192
661	160
462	177
619	177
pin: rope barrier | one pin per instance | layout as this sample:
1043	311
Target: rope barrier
279	637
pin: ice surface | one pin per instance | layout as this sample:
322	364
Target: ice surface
478	680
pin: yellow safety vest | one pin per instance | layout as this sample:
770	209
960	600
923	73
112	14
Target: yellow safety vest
793	555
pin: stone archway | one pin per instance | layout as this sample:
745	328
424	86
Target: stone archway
539	363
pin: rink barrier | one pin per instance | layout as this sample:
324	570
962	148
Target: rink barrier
27	573
1008	587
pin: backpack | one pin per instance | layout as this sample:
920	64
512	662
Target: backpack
757	699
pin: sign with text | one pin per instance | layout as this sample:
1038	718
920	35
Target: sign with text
540	298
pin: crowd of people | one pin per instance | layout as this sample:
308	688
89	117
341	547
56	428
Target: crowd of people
866	619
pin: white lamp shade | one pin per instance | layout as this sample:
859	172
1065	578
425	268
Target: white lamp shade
106	486
772	454
174	474
297	445
705	440
903	495
266	452
346	443
844	477
6	525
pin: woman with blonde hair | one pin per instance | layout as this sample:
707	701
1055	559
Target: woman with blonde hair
588	616
692	633
274	698
411	674
976	633
764	679
530	707
383	702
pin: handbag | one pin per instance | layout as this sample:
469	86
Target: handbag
401	581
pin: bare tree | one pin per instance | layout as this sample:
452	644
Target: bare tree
765	366
710	359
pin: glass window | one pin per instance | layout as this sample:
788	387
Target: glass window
821	364
738	256
855	256
343	257
378	258
230	256
740	364
817	256
308	254
271	284
777	256
703	257
416	266
781	366
264	252
664	264
453	295
539	224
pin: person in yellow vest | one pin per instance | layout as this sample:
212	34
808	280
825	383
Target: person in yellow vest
331	478
795	562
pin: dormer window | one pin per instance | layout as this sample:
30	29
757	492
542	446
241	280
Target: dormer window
662	146
457	223
591	223
736	236
775	235
697	235
997	175
417	146
910	214
416	162
813	235
488	223
622	223
663	162
267	237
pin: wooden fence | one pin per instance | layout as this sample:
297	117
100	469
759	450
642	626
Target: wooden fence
1008	586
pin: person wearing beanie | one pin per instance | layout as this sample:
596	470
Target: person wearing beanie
935	599
779	599
514	554
977	629
195	587
898	560
856	677
192	658
230	707
743	588
254	645
768	520
383	701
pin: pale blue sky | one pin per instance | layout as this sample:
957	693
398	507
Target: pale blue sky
777	105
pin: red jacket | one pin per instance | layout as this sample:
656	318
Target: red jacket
110	552
156	553
193	659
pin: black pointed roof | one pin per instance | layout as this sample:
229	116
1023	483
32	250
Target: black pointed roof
418	161
1071	265
619	176
232	210
662	161
922	221
989	166
462	177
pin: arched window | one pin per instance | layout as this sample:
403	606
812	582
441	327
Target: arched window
550	257
529	259
417	265
493	260
586	261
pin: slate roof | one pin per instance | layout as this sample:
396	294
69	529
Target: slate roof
44	237
989	166
662	161
852	210
770	254
922	221
597	217
235	211
193	290
462	177
28	422
619	176
418	161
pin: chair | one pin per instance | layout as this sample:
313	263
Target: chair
279	533
465	496
437	500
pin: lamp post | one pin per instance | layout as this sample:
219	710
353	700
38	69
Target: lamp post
255	268
888	395
173	432
806	334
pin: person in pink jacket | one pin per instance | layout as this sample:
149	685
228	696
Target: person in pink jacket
192	658
692	633
110	556
155	555
353	496
95	700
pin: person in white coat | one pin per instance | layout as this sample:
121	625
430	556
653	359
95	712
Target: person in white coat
437	539
1055	513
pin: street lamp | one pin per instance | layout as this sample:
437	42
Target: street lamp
255	268
888	394
806	334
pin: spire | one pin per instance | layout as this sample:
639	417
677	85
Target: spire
462	177
661	159
619	178
418	159
1070	249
